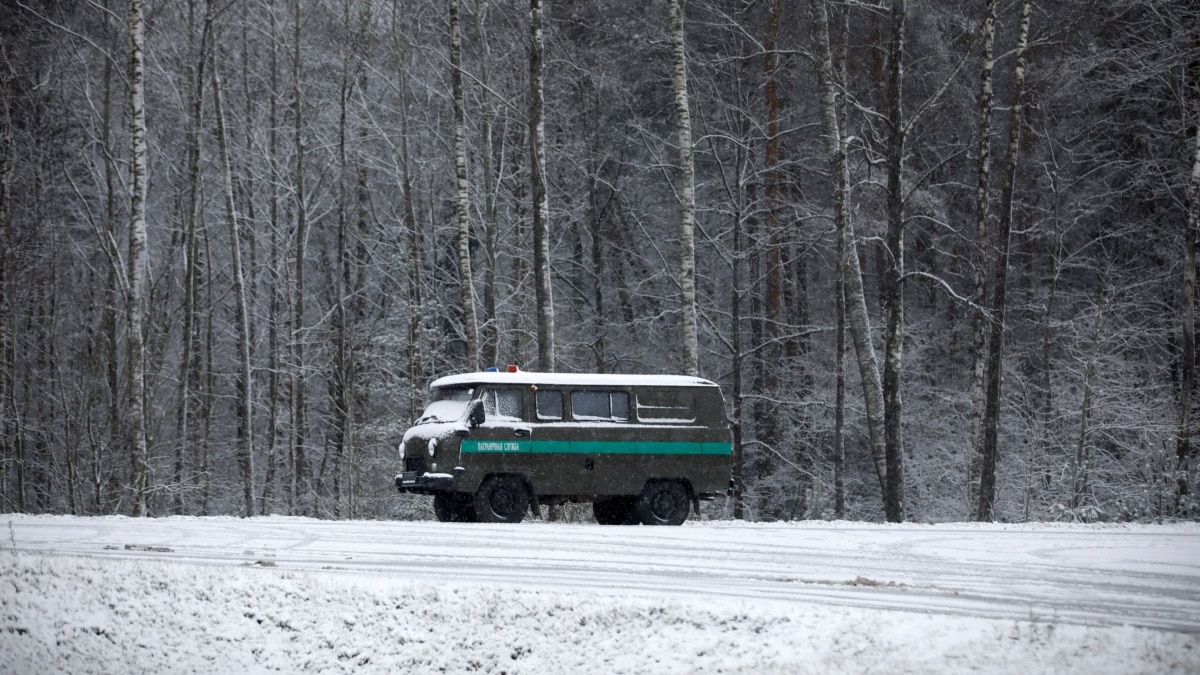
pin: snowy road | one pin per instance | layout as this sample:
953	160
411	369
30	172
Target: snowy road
1145	576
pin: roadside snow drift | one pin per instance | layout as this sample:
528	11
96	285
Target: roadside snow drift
295	595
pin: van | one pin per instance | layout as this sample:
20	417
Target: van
640	448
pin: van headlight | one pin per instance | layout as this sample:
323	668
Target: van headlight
432	447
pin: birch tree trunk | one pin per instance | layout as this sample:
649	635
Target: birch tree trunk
134	310
245	400
991	410
541	206
857	319
462	204
687	197
982	201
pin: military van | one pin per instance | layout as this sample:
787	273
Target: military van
641	448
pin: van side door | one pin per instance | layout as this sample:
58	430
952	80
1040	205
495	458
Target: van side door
603	440
554	471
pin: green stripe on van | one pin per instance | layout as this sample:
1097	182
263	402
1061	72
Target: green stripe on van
598	447
471	445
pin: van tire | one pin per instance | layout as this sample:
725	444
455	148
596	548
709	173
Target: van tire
663	502
615	511
502	499
454	507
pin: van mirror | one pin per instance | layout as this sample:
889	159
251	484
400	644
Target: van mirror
476	416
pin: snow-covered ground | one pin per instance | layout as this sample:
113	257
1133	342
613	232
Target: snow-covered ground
297	595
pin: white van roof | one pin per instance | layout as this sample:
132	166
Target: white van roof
570	379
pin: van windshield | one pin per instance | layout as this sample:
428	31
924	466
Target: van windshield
446	405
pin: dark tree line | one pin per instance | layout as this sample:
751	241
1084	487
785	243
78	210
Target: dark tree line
940	256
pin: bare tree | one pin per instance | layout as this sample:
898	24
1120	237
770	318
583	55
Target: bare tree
137	261
991	419
275	309
462	203
275	378
839	432
772	321
110	319
245	402
413	235
189	372
299	473
849	269
348	273
1082	459
541	206
982	202
1183	442
6	150
492	171
893	282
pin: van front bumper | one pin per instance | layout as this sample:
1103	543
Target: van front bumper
424	483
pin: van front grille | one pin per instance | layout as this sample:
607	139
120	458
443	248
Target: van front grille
415	464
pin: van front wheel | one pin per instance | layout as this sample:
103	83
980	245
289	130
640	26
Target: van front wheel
663	502
502	499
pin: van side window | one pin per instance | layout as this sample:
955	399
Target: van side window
549	405
666	406
608	406
503	404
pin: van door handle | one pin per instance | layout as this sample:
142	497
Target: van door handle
524	433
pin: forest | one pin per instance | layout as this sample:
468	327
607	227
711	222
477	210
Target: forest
940	256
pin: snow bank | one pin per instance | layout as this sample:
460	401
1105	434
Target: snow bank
90	615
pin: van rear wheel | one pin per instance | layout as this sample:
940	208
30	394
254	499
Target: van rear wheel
615	511
502	499
663	502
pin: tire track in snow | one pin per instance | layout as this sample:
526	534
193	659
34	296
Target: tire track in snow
1084	575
